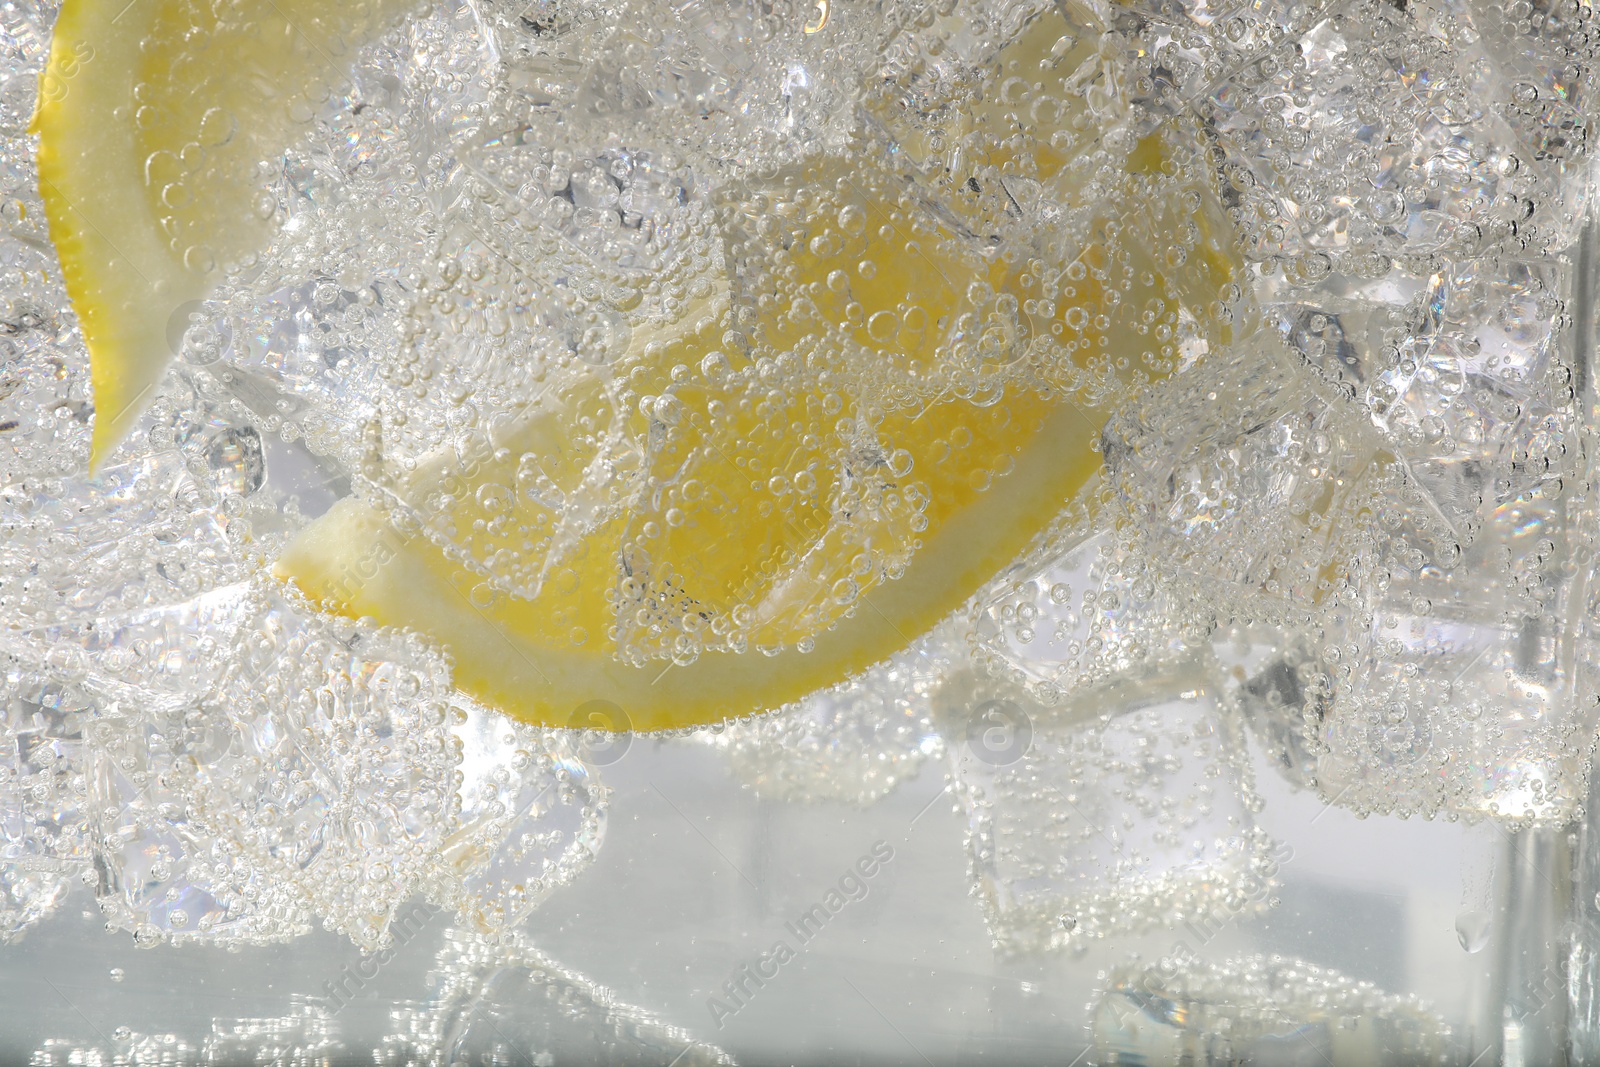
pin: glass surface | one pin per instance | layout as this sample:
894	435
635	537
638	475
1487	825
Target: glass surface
1271	747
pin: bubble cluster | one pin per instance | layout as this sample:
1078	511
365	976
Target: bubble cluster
303	1038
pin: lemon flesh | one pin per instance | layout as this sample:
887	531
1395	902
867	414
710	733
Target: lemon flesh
153	118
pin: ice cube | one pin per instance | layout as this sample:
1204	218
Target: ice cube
1459	681
1080	609
532	817
1259	1009
1113	815
308	770
1278	680
486	999
1475	399
852	743
166	872
44	838
1251	477
1379	131
339	761
97	551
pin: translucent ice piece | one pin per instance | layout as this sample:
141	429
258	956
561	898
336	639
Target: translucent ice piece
166	870
533	816
1460	682
1050	76
1083	608
44	839
335	758
1474	398
1261	1010
142	535
1085	821
1329	119
852	743
44	388
1252	477
314	774
487	1000
706	78
1278	680
159	658
1542	78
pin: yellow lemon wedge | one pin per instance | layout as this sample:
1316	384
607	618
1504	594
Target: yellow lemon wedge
871	405
153	118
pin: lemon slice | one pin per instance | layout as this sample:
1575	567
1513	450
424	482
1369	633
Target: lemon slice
154	118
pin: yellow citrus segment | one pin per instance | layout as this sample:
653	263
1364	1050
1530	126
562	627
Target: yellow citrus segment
153	119
509	654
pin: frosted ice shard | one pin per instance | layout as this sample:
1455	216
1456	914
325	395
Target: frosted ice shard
1080	609
854	742
487	999
1123	812
44	838
1251	480
1280	684
1461	684
1259	1009
532	817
